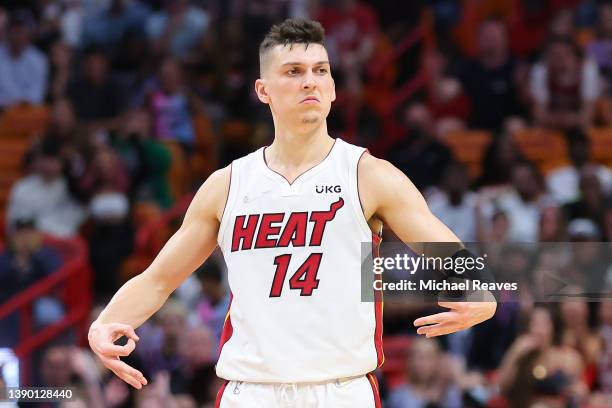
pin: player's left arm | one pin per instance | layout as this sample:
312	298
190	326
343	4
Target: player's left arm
387	194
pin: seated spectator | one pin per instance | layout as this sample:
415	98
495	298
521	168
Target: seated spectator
536	370
418	154
131	65
214	303
600	49
44	196
522	203
564	86
172	106
430	379
497	162
591	201
455	206
109	26
26	259
159	338
146	160
176	28
492	79
23	68
95	95
563	183
107	184
576	334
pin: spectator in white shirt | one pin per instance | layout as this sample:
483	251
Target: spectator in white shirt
563	182
44	197
455	205
23	68
564	86
522	204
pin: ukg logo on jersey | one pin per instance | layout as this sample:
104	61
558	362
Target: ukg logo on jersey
328	189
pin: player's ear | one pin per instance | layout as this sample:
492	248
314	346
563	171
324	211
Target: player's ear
260	89
333	97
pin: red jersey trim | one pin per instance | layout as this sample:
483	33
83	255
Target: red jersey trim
378	308
228	330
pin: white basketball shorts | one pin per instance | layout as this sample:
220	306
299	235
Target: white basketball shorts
355	392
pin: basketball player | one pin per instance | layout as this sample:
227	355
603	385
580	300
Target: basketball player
290	219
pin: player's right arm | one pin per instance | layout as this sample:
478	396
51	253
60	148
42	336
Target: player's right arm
143	295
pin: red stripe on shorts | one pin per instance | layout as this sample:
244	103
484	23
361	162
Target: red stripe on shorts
220	394
374	385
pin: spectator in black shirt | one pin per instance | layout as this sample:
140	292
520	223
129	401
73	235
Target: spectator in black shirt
96	96
491	79
419	155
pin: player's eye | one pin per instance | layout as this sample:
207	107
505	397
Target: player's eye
292	71
322	70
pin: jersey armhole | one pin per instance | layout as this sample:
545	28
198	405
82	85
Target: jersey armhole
355	198
229	202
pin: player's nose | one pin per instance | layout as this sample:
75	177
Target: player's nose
309	81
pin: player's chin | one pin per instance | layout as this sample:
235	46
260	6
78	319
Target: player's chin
311	117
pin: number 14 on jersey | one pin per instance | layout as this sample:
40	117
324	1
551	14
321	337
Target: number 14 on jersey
304	279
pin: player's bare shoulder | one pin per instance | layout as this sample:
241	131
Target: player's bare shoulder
211	197
381	184
377	176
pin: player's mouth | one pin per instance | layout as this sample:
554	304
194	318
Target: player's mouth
310	100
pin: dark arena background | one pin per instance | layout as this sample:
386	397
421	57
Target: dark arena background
113	112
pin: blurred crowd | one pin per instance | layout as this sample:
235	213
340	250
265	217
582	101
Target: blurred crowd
145	98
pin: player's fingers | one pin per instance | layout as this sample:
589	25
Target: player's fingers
124	329
129	379
120	367
437	330
449	305
109	349
431	319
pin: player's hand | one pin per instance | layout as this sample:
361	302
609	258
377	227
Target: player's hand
461	315
101	340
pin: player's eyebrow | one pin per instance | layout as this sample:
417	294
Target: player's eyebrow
301	63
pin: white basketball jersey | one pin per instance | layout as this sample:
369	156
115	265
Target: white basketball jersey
293	253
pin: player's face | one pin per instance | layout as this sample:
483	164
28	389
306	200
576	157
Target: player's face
297	84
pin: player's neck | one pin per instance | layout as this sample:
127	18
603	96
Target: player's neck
291	154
